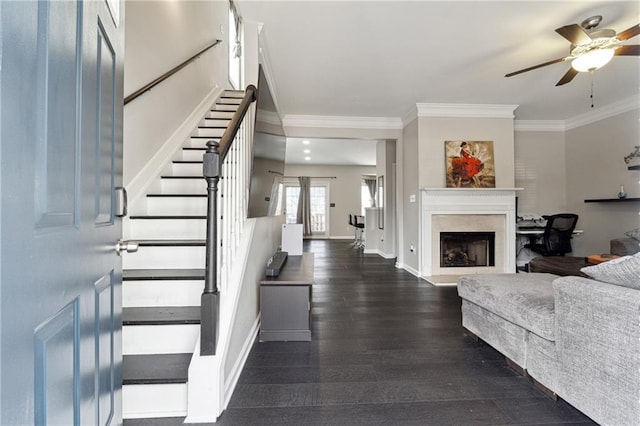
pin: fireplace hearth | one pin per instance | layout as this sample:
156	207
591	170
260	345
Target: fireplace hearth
467	249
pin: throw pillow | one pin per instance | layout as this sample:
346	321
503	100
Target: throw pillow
634	233
623	271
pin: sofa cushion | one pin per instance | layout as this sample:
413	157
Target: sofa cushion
523	299
623	271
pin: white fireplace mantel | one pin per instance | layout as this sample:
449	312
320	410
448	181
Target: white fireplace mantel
499	202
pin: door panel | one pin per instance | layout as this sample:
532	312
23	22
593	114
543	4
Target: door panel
61	158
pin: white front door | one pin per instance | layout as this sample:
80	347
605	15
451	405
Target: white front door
61	138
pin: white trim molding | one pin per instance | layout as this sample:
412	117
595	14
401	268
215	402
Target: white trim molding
629	104
466	110
611	110
498	202
342	122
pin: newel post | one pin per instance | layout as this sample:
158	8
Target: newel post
210	300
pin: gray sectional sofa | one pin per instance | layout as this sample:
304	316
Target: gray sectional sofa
578	337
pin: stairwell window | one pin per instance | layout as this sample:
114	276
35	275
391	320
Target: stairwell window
235	47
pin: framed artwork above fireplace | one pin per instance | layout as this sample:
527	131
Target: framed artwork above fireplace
469	164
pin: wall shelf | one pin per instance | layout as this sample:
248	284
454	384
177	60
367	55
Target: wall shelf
613	200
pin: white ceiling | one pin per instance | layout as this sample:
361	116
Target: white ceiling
380	58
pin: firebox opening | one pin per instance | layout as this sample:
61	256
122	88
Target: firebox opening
467	249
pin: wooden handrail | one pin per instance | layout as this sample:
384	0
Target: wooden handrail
250	96
168	74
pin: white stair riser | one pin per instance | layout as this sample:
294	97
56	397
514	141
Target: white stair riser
165	257
186	169
220	114
220	107
144	229
215	122
192	154
185	186
213	132
198	143
154	400
161	293
159	339
231	99
177	205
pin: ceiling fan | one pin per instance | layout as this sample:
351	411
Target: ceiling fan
591	48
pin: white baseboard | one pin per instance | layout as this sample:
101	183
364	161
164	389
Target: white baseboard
236	370
410	270
145	177
386	255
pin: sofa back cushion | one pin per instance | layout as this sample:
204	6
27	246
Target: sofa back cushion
623	271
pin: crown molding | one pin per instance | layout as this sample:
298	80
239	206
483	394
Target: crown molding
466	110
338	122
611	110
625	105
539	126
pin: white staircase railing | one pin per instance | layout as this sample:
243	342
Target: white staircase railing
227	164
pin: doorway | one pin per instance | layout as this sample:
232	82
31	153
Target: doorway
319	207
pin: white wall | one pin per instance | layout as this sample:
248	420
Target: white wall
159	36
264	242
385	166
540	168
344	191
595	169
411	209
434	131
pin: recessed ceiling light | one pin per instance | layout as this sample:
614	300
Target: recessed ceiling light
307	158
306	142
306	151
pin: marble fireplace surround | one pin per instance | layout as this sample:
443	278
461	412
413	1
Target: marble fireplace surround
467	210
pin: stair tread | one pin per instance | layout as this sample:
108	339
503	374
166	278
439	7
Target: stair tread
205	137
170	243
161	315
162	274
155	369
167	217
212	127
187	161
193	148
177	195
155	421
181	177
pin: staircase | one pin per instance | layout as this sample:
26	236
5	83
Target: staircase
163	281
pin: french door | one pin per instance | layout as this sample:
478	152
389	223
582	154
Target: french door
319	207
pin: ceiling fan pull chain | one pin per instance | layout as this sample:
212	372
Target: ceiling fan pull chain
591	96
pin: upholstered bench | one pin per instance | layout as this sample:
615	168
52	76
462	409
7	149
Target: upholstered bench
558	265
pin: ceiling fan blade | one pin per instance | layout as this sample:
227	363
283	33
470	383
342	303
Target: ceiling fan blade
628	33
630	50
555	61
575	34
567	77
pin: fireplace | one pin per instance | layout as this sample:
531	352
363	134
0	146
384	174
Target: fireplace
460	211
467	249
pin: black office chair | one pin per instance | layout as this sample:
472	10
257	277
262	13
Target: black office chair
556	240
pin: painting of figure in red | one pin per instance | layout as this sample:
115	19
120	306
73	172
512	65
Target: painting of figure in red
470	164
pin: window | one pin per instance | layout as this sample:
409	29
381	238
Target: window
235	47
365	198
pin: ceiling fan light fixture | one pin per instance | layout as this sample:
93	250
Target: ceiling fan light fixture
592	60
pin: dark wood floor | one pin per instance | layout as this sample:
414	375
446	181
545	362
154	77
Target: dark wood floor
387	349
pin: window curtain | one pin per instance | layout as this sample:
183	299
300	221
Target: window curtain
373	188
304	205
